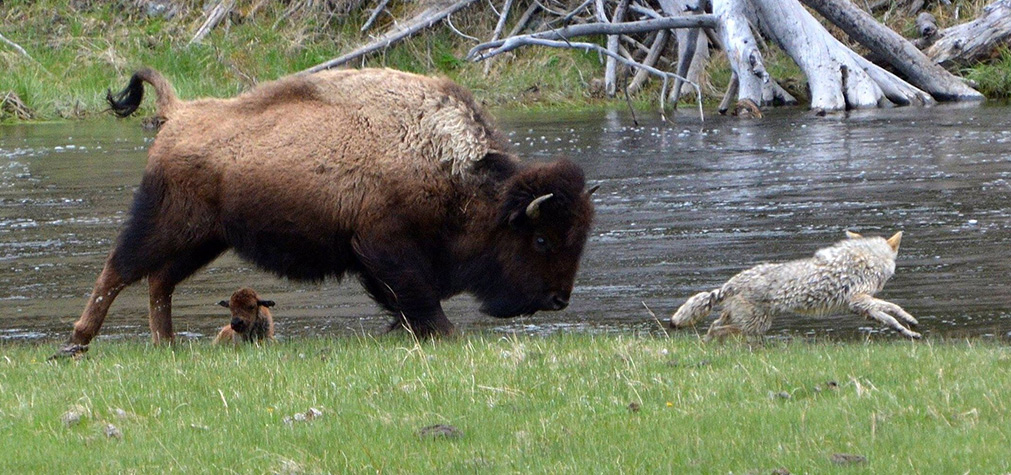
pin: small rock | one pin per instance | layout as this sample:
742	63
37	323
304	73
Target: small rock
73	416
847	459
779	395
780	471
112	432
440	430
306	416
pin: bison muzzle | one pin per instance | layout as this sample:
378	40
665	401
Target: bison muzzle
398	179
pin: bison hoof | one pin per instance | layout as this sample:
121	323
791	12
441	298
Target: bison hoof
74	351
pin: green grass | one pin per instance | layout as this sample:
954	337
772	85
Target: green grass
559	404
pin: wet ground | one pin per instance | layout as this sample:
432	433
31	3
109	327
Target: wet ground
682	207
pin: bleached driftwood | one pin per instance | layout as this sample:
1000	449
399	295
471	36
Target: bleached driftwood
901	54
659	43
975	40
610	65
498	28
532	40
374	15
573	31
426	18
214	16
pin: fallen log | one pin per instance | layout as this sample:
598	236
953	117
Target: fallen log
973	41
901	54
425	19
214	16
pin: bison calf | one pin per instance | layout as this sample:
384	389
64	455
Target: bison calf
251	319
395	178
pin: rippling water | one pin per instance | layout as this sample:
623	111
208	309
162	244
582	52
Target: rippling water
682	207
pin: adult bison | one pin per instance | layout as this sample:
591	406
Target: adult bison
396	178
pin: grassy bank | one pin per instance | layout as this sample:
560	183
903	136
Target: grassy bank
563	404
77	49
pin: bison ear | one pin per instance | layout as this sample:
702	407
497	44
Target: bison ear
265	303
852	235
223	303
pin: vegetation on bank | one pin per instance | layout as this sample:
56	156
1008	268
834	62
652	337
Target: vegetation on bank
77	49
569	403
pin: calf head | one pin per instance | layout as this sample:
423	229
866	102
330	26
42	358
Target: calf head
245	307
543	220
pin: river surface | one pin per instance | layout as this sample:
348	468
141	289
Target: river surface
682	207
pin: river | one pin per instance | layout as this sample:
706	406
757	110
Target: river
682	207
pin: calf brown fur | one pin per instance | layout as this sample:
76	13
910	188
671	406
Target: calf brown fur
251	319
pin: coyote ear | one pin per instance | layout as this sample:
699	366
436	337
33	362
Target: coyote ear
894	241
852	235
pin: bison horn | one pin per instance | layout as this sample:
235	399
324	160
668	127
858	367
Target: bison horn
592	189
534	208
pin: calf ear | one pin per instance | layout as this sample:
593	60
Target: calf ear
265	303
223	303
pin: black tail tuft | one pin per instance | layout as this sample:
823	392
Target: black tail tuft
127	101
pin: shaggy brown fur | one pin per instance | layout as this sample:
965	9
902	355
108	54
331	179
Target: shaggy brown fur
396	178
251	319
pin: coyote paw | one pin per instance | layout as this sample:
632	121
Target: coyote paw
911	334
74	351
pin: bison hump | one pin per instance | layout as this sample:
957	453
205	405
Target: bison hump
435	118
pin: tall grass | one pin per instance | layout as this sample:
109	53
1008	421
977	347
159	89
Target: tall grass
563	404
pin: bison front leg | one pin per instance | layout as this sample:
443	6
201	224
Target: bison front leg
160	289
404	284
107	287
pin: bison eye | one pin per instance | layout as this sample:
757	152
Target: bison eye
541	244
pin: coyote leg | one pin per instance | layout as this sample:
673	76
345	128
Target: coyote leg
872	308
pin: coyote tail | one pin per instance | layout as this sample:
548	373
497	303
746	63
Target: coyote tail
697	307
127	101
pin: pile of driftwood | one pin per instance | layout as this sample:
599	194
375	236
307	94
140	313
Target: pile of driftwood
639	33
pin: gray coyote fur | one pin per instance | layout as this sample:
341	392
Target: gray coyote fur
843	276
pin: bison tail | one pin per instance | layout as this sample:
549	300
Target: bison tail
696	308
127	101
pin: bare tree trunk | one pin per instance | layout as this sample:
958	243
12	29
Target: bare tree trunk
838	77
901	54
741	48
975	40
610	65
693	47
659	43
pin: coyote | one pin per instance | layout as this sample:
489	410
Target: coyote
842	276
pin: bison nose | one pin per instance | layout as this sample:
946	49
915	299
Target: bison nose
238	325
559	302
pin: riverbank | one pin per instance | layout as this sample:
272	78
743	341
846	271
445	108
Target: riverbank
569	403
74	51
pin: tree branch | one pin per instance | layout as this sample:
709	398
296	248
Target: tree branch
572	31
